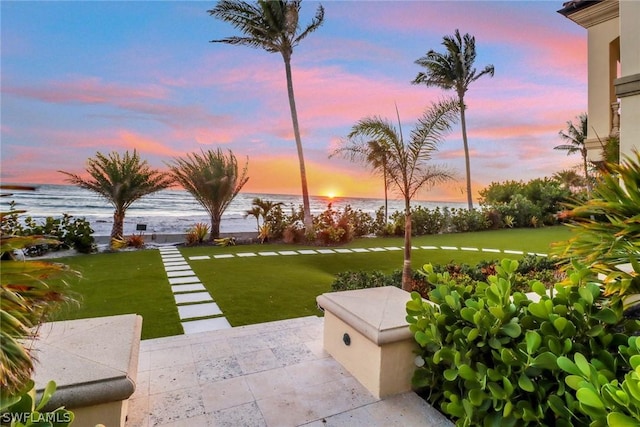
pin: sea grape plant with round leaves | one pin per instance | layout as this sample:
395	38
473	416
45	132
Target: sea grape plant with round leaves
614	403
489	356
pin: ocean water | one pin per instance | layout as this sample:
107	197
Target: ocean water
173	211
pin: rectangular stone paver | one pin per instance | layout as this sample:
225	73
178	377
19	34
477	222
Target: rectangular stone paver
198	310
360	250
469	249
199	257
180	267
174	263
181	280
188	288
343	251
326	251
172	258
288	253
393	248
220	256
268	253
429	247
180	273
204	325
506	251
450	248
491	250
377	249
246	254
307	252
192	297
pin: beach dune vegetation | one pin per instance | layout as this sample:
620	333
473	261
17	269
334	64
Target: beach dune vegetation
213	179
408	165
121	180
274	27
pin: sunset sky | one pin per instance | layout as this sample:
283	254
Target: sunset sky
87	76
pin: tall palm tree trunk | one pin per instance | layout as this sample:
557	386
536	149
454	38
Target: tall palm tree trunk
406	264
117	231
463	124
386	198
296	131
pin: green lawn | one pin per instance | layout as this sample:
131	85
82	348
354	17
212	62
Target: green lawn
260	289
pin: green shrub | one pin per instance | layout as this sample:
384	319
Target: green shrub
489	356
605	401
69	232
351	280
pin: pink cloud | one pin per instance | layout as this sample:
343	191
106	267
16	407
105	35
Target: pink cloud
86	90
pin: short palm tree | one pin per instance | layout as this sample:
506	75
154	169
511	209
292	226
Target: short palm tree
569	179
273	26
575	137
408	163
373	153
454	69
213	179
121	180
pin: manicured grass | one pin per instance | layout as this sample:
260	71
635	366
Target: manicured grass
260	289
122	283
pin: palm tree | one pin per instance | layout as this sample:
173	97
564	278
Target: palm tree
454	70
273	26
121	180
256	212
575	137
569	179
213	179
373	153
407	164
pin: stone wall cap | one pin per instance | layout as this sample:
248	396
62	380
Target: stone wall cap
91	360
377	313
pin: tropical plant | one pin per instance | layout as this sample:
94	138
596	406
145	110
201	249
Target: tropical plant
197	234
135	241
213	180
374	153
608	402
408	167
575	138
490	356
454	69
607	228
121	180
21	410
569	179
274	27
262	209
29	293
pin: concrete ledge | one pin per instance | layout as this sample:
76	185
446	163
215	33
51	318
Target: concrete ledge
627	85
94	363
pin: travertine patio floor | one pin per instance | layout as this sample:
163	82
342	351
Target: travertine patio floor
270	374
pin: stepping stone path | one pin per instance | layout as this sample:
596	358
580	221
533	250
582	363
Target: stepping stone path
197	310
344	251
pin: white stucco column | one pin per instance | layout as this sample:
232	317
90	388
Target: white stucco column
628	85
